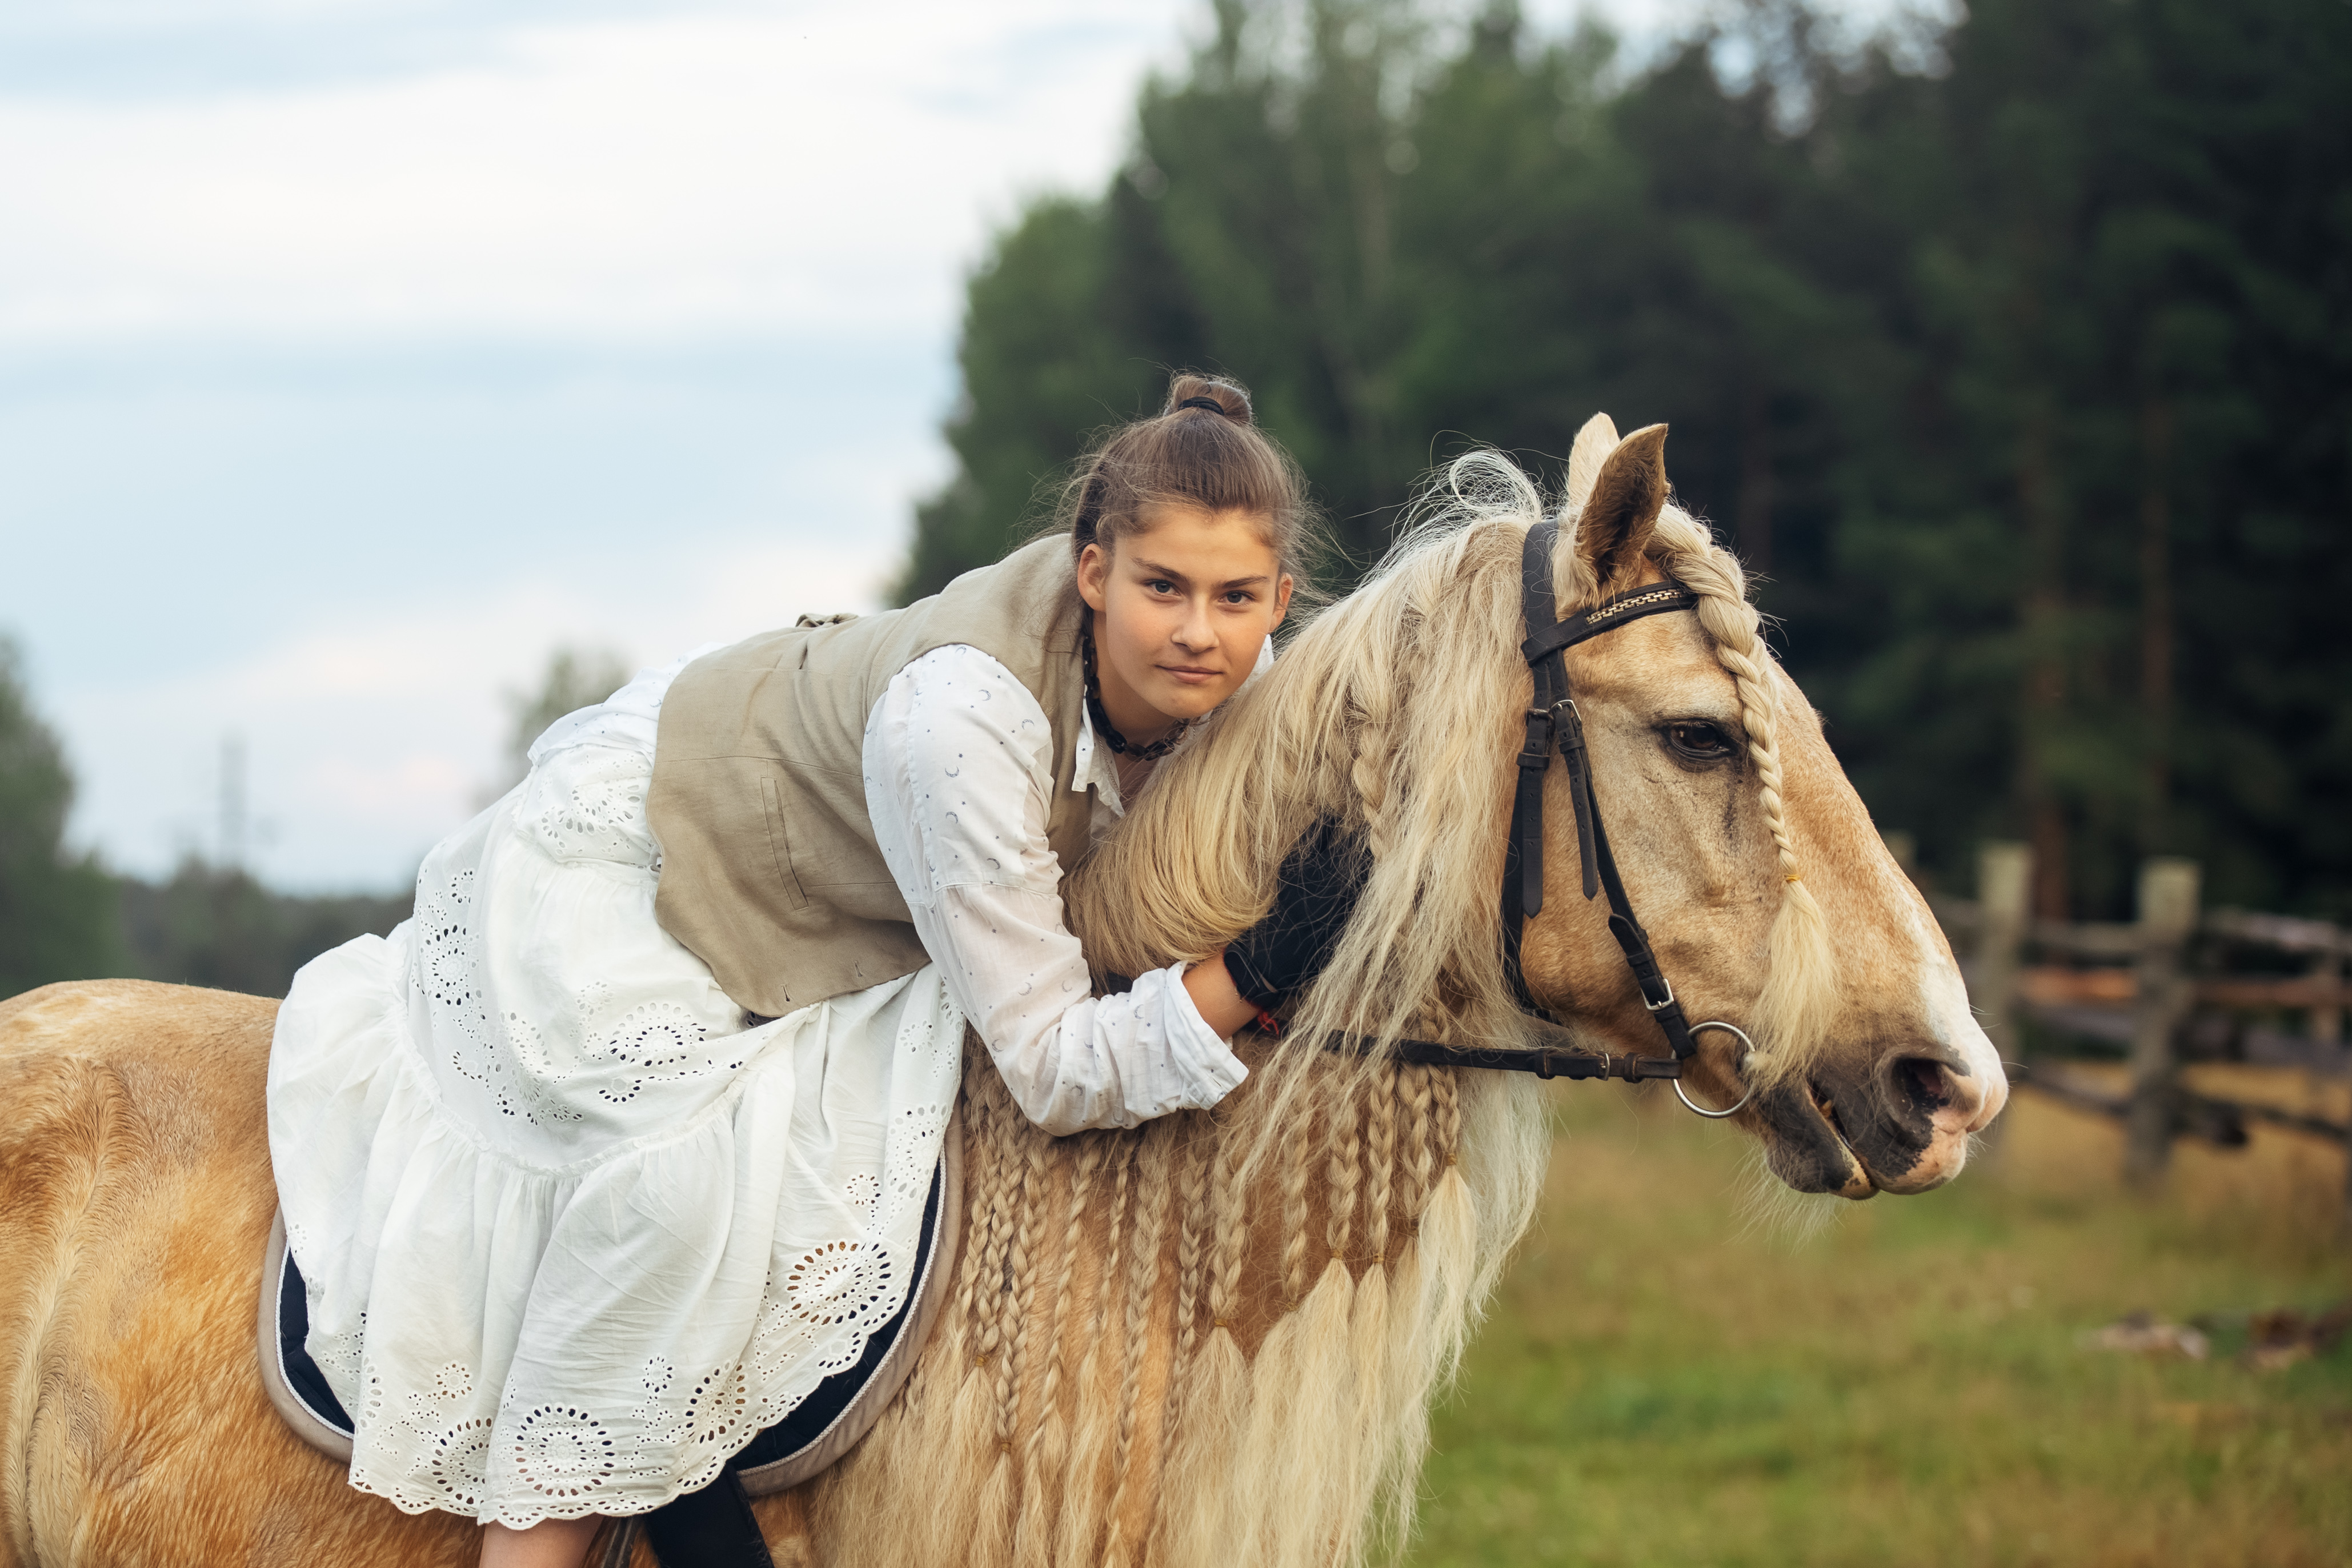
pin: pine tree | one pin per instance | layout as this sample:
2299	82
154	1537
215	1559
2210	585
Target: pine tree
56	908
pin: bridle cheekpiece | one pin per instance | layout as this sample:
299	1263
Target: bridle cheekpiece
1555	724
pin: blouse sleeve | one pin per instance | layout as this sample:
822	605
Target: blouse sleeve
959	763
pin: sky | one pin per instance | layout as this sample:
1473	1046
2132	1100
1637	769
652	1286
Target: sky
356	354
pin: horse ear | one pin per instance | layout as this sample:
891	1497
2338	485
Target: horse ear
1593	445
1627	496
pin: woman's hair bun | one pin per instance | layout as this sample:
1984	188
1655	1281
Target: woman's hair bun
1202	449
1190	391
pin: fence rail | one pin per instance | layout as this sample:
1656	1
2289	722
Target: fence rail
2161	986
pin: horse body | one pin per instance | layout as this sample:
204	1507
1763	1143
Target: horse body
1121	1281
134	1198
1213	1338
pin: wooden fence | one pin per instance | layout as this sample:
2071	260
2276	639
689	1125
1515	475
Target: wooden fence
2180	983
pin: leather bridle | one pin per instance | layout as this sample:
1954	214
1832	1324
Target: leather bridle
1554	724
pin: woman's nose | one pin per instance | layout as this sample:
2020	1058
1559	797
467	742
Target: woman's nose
1197	630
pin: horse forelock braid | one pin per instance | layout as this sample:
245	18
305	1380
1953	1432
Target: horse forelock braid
1792	1016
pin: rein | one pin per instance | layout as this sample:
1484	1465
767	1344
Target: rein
1554	724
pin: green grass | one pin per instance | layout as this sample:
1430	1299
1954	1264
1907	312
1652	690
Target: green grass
1664	1382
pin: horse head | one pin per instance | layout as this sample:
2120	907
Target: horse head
1772	901
1772	904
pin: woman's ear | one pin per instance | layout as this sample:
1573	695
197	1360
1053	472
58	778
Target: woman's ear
1281	600
1094	571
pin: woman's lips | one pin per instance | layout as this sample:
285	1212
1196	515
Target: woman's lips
1184	675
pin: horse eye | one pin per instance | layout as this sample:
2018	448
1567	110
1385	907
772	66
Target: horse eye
1699	742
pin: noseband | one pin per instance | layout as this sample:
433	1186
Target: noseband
1554	723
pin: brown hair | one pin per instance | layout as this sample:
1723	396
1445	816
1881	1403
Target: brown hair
1209	454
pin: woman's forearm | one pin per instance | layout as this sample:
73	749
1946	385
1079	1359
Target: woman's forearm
1221	1007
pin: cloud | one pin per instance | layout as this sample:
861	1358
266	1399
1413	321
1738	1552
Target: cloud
359	350
768	168
354	352
367	741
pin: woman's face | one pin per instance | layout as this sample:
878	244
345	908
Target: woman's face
1182	606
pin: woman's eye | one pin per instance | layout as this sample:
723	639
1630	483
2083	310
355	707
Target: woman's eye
1241	596
1161	585
1700	742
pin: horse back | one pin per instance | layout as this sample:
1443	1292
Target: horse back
135	1197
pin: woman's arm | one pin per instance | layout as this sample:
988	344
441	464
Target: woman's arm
1222	1007
959	773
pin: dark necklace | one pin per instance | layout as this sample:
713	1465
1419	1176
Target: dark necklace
1102	716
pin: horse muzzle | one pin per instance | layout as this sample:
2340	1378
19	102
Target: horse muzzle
1902	1125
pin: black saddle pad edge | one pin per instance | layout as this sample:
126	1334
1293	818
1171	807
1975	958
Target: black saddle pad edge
813	1416
294	1363
808	1421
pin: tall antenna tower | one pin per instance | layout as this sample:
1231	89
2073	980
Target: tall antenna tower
232	802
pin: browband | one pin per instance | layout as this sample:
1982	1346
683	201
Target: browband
1651	599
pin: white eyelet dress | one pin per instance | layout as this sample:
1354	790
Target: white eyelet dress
572	1233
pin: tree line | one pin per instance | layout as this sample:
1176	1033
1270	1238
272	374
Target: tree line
2012	358
2015	359
64	915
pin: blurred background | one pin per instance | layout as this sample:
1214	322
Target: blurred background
381	379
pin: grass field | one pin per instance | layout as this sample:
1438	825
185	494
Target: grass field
1666	1380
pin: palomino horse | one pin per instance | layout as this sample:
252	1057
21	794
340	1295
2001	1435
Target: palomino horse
1212	1339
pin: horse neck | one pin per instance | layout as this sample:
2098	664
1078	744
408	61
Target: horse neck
1142	1307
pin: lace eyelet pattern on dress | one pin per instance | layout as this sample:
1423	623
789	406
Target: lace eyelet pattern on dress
572	1234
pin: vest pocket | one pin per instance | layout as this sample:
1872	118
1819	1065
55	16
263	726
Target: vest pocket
779	844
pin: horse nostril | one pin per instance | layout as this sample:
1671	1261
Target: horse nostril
1924	1082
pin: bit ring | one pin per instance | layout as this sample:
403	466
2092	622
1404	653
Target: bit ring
1699	1029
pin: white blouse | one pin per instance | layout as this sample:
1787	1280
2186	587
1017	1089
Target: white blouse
959	763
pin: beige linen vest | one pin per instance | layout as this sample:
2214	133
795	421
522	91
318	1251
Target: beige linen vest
770	872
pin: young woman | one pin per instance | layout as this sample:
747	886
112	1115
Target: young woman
599	1164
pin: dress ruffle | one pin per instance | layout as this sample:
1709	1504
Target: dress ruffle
573	1235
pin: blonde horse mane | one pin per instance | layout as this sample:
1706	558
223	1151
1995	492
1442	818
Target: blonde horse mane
1215	1338
1395	711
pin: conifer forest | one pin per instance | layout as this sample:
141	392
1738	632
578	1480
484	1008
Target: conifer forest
2014	356
2009	343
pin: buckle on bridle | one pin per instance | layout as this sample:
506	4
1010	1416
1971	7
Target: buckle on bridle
1660	1007
1537	755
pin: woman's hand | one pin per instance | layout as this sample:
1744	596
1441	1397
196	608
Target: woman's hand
1282	954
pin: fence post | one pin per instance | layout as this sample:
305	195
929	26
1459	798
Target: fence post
2004	920
2326	1023
2167	917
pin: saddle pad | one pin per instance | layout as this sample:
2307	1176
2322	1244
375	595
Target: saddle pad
818	1431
